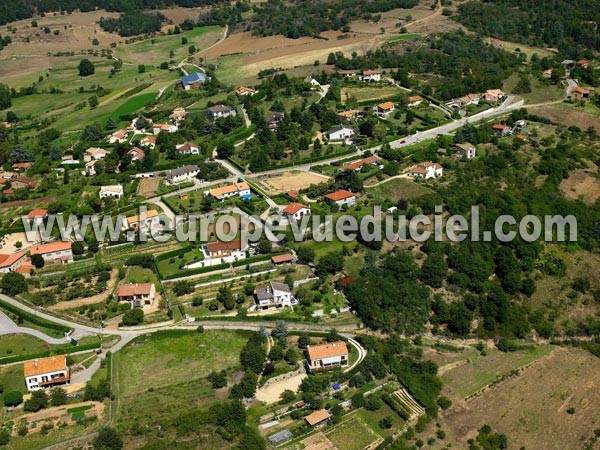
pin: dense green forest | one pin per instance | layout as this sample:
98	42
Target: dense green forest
569	25
494	279
463	63
133	23
24	9
300	18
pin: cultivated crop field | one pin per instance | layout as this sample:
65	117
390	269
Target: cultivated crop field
396	188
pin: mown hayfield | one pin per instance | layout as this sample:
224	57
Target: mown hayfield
397	188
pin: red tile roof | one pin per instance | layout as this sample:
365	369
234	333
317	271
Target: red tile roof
37	213
286	257
328	350
339	195
50	248
42	366
131	289
293	208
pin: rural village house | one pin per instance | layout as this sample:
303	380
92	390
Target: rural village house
46	372
240	189
327	356
54	252
181	174
295	211
426	170
341	198
466	150
137	294
220	112
114	191
273	296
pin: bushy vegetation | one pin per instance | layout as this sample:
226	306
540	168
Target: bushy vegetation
568	25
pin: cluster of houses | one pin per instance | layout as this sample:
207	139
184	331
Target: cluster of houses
57	252
296	211
15	179
491	96
367	76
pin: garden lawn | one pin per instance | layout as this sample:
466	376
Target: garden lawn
352	434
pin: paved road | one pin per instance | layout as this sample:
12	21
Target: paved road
7	326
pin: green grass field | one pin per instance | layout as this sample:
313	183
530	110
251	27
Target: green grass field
366	93
132	105
157	50
397	188
540	91
404	37
138	274
168	267
167	358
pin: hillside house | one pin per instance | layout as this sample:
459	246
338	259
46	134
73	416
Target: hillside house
164	127
273	296
426	170
341	198
178	115
493	95
137	294
147	222
501	130
68	160
181	174
286	258
228	251
340	133
243	91
187	148
89	169
327	356
22	182
22	166
58	252
414	100
220	112
12	262
114	191
273	121
46	372
465	150
317	418
119	136
148	141
192	81
94	154
37	216
371	75
580	93
296	211
350	114
136	154
384	109
242	190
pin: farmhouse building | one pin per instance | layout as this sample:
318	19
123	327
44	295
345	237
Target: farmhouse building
466	150
54	252
286	258
46	372
273	296
351	114
192	81
242	91
22	166
12	262
371	75
136	154
493	95
138	295
37	216
341	198
580	93
327	356
501	129
24	183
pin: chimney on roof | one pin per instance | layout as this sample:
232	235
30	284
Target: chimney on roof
35	362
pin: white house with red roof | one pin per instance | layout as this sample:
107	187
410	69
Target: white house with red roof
54	252
48	372
341	198
188	148
12	262
327	356
148	141
137	294
296	211
136	154
426	170
119	136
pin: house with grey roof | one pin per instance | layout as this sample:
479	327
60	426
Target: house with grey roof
273	296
